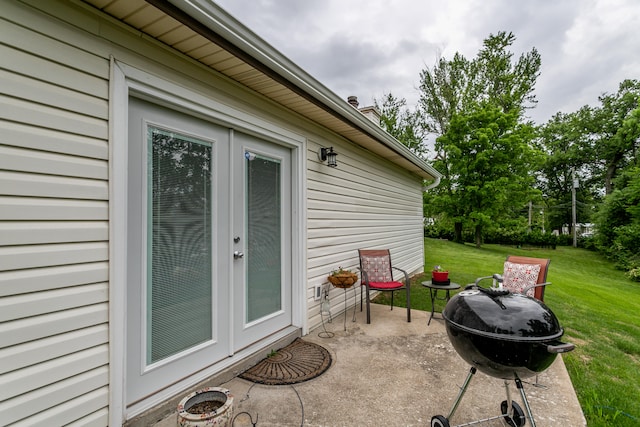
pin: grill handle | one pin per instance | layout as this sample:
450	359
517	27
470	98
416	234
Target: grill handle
560	347
492	293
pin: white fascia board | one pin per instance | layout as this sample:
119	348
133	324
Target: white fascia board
220	22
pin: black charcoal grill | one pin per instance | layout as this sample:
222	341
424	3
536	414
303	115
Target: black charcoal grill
505	335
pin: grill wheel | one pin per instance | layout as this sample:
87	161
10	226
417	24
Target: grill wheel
439	421
517	419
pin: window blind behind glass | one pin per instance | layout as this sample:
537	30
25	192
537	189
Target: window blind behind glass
264	216
179	270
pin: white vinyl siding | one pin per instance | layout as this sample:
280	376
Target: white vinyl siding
54	341
364	203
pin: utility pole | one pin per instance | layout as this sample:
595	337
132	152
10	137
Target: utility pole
574	186
530	209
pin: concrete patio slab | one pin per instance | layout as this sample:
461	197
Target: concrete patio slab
395	373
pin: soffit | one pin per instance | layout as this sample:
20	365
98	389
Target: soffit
286	84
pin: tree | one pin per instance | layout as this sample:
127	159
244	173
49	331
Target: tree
450	87
445	90
563	140
469	94
506	83
593	144
491	156
615	132
403	124
618	223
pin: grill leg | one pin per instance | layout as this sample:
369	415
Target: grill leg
462	391
526	403
511	411
509	401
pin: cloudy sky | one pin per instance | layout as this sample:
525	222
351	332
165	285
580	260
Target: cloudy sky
371	47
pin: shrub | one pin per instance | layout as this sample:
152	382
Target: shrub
518	237
565	240
437	232
587	242
634	274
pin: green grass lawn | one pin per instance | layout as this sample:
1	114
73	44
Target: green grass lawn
598	307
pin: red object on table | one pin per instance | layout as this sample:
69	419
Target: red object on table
440	276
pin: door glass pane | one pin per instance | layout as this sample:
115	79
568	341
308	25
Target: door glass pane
263	233
179	271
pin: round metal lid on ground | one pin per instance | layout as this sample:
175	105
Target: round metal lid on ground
299	361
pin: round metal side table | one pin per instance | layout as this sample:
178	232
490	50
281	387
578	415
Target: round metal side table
433	293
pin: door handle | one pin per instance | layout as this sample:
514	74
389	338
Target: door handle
237	255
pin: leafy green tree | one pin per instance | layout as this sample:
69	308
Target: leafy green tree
492	86
593	145
451	87
618	223
562	140
615	133
402	123
491	155
445	90
507	83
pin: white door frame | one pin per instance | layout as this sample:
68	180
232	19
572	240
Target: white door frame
124	80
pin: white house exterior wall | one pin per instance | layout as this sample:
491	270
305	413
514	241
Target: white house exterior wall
54	204
364	203
54	348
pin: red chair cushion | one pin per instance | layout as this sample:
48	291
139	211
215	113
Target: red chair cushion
385	285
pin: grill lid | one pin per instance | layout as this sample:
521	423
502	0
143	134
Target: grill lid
502	315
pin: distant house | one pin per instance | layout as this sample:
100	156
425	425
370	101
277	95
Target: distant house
164	212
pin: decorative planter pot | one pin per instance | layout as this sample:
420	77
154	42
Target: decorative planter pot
210	406
439	276
343	280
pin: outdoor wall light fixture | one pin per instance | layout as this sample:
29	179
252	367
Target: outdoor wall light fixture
329	155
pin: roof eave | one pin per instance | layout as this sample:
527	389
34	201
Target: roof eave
251	47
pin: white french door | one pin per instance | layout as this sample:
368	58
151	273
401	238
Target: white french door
208	245
262	239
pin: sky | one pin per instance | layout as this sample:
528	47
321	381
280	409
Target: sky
374	47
